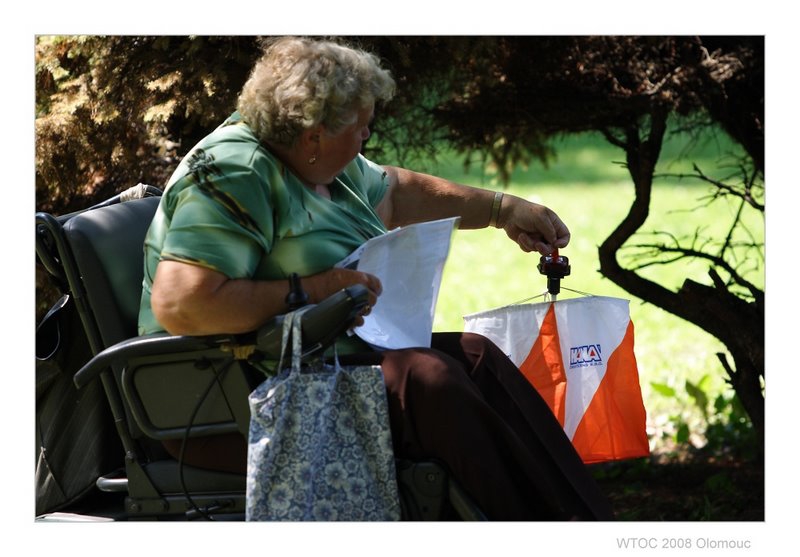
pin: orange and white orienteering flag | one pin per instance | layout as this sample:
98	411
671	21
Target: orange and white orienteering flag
578	354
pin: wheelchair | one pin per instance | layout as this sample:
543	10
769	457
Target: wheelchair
162	387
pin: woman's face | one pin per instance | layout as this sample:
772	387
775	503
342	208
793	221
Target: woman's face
336	151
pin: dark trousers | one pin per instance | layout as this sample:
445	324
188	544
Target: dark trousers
464	403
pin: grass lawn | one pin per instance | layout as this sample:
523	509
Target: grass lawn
592	192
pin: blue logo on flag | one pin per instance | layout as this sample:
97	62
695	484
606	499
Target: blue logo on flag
587	355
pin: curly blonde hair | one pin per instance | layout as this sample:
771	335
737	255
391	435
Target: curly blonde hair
300	83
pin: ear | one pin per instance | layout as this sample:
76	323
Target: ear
309	139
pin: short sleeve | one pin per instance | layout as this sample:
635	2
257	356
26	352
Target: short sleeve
224	223
373	179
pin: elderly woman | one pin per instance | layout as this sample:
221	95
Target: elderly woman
279	188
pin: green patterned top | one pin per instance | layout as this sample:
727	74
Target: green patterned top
233	207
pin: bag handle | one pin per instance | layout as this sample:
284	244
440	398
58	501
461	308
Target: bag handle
292	327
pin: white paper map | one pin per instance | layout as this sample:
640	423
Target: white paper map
409	262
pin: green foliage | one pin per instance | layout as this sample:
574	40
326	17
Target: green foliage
729	429
115	111
702	419
663	390
698	394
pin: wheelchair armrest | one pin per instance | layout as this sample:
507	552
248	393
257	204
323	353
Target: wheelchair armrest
322	324
147	345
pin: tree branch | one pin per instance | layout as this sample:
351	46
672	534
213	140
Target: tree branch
716	260
746	195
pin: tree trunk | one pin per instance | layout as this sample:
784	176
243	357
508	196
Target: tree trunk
738	324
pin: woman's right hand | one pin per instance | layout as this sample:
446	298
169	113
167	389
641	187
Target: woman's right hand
327	283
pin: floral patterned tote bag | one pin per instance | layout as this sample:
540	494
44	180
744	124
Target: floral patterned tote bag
319	447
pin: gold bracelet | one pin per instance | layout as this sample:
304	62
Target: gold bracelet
498	199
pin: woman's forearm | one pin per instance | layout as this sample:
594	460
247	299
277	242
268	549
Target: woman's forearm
192	300
415	197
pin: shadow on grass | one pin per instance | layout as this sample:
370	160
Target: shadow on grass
692	486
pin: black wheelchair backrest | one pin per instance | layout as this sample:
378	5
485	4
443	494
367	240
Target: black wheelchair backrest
107	244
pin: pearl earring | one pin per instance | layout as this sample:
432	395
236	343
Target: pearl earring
313	159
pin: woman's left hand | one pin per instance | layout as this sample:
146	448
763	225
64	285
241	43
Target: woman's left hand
534	227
